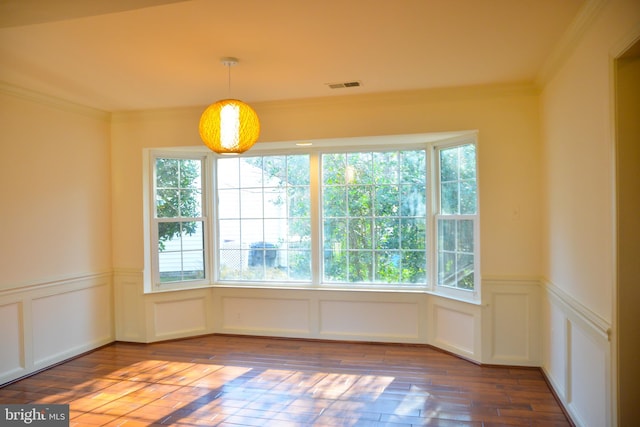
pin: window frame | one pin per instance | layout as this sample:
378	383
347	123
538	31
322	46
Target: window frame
154	221
451	291
431	143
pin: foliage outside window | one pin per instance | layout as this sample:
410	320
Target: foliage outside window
340	218
374	217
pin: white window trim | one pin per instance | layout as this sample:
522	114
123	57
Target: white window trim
431	142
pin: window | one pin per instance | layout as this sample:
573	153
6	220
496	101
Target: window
374	217
264	218
179	222
456	217
398	217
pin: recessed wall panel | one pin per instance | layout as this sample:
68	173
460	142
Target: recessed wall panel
587	373
289	316
71	321
187	316
510	327
454	330
369	319
11	348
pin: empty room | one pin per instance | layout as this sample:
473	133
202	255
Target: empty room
331	213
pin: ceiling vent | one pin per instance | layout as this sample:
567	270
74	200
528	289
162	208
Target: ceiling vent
344	84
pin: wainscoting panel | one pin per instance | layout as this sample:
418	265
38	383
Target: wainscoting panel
50	322
456	327
70	322
266	315
185	317
577	358
129	306
511	322
11	336
395	321
178	314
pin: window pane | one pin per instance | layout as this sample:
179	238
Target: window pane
275	202
359	169
457	180
468	197
446	235
299	202
360	233
250	172
360	266
449	198
167	203
387	200
359	200
413	167
387	266
334	201
414	233
178	188
385	220
468	161
251	203
228	203
299	263
298	170
414	267
275	170
229	234
167	173
449	165
334	168
387	233
465	236
335	234
386	167
228	173
414	200
190	203
272	220
180	251
455	253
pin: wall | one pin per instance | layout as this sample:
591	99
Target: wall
55	250
579	218
506	117
503	329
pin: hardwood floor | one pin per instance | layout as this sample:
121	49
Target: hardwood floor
250	381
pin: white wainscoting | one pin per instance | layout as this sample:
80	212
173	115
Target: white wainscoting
503	330
511	322
45	323
577	358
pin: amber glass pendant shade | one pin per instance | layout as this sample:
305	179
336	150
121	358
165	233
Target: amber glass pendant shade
229	126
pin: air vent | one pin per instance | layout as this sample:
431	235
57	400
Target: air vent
344	84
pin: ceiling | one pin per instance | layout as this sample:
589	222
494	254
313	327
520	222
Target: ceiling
118	55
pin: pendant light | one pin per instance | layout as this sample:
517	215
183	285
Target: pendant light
229	126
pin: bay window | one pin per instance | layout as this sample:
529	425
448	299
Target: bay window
392	216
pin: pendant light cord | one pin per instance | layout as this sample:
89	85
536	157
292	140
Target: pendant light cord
229	81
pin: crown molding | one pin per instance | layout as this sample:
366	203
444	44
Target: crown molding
51	101
570	40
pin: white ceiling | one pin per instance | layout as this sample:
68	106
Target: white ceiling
139	54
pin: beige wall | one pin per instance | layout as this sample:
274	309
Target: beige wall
55	191
578	163
505	116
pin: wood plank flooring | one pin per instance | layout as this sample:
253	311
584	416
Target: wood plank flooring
221	380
